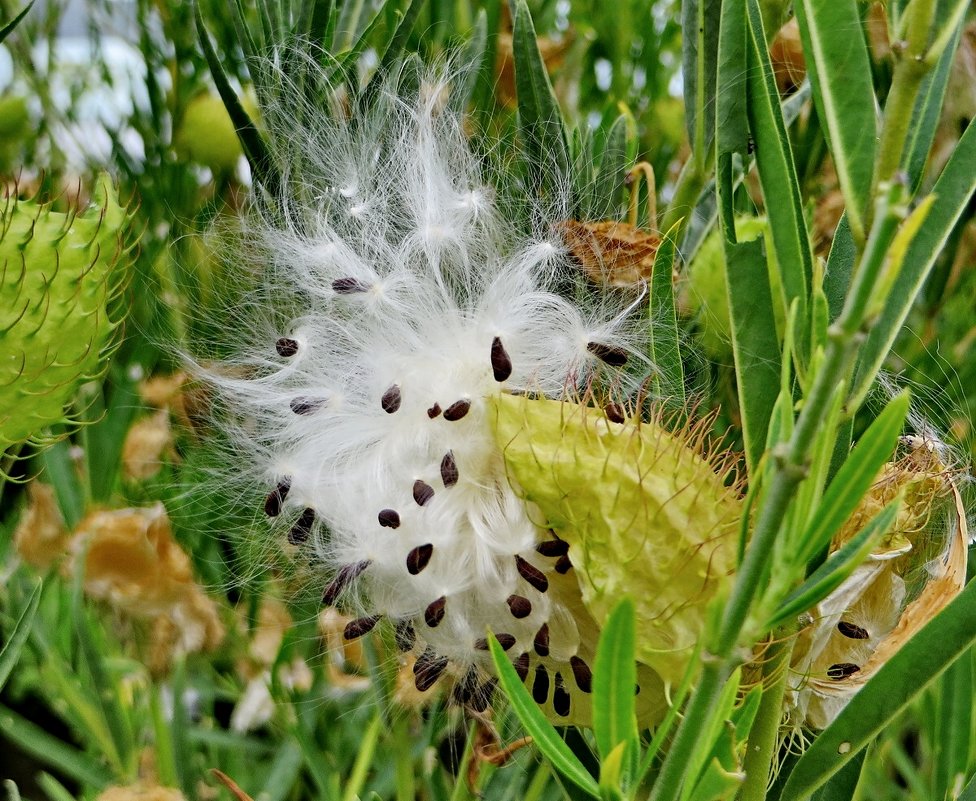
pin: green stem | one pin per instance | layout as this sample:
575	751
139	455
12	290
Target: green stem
764	736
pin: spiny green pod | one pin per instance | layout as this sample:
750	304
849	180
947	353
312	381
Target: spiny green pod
61	275
645	514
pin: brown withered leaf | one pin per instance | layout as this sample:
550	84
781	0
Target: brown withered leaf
41	537
786	55
611	252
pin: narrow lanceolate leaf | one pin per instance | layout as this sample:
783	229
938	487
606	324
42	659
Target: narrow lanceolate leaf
916	665
614	679
699	46
952	193
18	636
777	173
604	198
852	481
732	127
669	379
6	28
545	737
395	48
840	72
540	120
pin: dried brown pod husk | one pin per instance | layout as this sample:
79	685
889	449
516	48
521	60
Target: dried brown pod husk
616	253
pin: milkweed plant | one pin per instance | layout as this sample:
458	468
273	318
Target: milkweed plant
636	483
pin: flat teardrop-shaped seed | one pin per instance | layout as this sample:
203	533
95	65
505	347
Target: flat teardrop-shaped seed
434	613
286	346
480	699
465	688
434	410
391	399
389	518
457	410
359	627
275	499
428	669
300	532
615	357
404	635
519	606
419	558
561	701
501	362
506	641
349	286
422	492
615	413
582	674
541	641
563	565
531	574
522	666
552	548
305	405
540	685
842	670
852	631
343	578
449	470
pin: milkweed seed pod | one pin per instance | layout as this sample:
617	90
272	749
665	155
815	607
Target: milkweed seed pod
60	278
918	568
396	304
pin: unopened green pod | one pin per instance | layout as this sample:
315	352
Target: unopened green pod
61	275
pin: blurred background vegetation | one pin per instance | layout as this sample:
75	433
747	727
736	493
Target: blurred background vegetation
150	661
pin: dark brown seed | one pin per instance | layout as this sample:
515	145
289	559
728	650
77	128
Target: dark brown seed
519	606
555	547
522	666
349	286
560	698
506	641
853	631
615	357
449	470
434	613
419	558
842	670
501	362
457	410
391	399
343	579
465	688
286	346
303	527
541	641
532	574
480	699
305	405
615	413
404	635
422	492
563	565
428	669
275	499
434	410
359	627
582	673
389	518
540	685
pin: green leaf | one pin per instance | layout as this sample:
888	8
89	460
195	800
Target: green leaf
474	61
9	26
855	477
665	344
952	192
540	120
777	175
837	568
395	48
840	73
604	200
732	131
17	636
842	784
916	665
953	726
699	48
543	734
614	679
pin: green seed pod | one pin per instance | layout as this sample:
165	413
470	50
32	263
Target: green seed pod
645	513
206	134
60	277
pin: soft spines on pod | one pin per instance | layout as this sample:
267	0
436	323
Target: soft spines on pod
362	422
61	275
